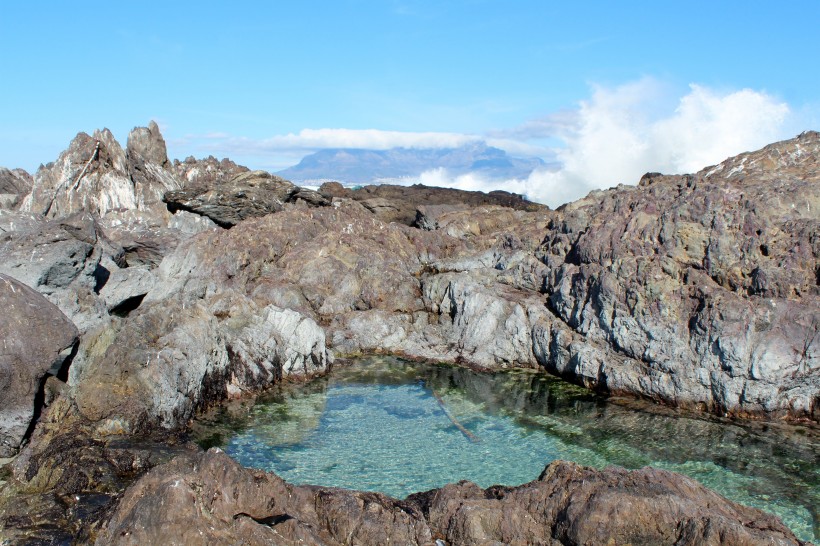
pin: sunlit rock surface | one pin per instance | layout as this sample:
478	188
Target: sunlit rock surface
567	504
37	339
693	290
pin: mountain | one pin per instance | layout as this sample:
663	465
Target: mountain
364	166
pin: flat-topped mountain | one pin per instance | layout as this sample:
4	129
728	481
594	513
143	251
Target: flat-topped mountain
361	166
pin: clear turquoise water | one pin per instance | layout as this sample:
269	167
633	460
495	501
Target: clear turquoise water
385	425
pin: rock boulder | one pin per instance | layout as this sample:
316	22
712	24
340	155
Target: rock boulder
37	340
210	498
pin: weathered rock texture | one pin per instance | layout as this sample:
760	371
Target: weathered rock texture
14	186
393	203
37	339
699	290
704	286
67	481
246	195
208	498
207	172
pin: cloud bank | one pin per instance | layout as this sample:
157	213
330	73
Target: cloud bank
619	133
614	136
373	139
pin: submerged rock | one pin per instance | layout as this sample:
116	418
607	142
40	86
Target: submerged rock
567	504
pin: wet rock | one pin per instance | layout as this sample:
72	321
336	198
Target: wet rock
37	340
568	504
67	481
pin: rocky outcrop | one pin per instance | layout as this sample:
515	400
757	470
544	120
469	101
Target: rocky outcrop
685	290
393	203
706	285
163	362
95	175
698	290
65	484
37	340
247	195
209	498
122	189
14	186
207	172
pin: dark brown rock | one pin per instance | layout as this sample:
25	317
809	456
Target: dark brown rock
247	195
706	283
392	203
68	480
37	340
210	498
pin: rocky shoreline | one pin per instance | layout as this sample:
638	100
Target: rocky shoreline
141	291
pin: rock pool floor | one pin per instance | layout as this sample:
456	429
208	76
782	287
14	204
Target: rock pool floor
388	425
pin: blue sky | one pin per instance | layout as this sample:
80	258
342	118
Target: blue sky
267	82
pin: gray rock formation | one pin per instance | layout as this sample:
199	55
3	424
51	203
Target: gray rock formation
14	186
567	504
37	339
159	365
208	172
96	175
685	290
706	285
246	195
699	290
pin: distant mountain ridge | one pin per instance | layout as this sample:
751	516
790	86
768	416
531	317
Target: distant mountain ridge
365	166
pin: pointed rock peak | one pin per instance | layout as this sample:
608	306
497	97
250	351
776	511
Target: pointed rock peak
84	149
110	153
147	144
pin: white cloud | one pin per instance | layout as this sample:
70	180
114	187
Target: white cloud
374	139
617	137
620	133
614	136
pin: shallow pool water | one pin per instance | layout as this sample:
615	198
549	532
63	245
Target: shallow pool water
387	425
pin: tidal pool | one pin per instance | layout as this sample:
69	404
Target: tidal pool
398	427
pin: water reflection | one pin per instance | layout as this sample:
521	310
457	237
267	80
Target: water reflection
392	426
